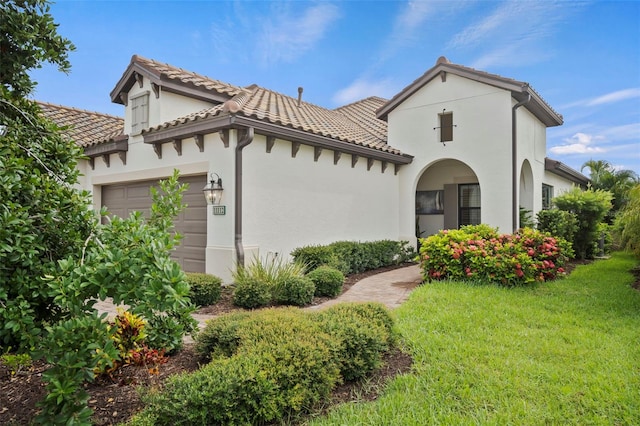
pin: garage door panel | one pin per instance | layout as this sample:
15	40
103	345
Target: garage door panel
122	199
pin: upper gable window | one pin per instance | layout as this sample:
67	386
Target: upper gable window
446	126
139	113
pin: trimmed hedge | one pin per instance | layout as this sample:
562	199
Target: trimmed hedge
365	332
205	289
251	293
296	291
351	257
272	365
329	281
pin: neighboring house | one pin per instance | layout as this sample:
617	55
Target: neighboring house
456	146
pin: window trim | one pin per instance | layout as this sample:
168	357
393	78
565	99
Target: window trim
139	124
445	120
461	208
547	188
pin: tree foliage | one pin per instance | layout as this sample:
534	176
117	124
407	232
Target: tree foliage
617	181
28	38
56	259
590	208
628	222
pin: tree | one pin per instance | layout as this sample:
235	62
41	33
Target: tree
28	38
589	207
619	182
56	259
42	217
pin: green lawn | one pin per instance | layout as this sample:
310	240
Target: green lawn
561	353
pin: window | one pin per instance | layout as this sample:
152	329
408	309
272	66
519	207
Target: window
446	126
469	204
547	195
139	113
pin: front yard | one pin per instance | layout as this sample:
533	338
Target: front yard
564	352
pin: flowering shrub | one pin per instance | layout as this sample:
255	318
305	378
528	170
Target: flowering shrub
478	252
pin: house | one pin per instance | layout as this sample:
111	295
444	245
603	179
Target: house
456	146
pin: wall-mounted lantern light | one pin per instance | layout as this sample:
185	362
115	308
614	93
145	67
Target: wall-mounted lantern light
213	190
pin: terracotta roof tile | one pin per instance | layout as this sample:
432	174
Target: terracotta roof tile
86	128
160	70
355	123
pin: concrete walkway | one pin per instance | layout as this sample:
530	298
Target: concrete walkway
390	288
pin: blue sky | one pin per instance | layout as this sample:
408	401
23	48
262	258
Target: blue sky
582	57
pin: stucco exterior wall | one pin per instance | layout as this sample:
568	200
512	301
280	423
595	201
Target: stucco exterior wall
560	184
292	202
481	140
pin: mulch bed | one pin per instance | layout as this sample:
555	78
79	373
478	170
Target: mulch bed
114	399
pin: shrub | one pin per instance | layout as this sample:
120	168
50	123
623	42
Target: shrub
16	362
351	257
270	365
220	336
558	223
271	280
590	208
315	256
328	281
251	293
205	289
479	253
293	290
363	335
627	223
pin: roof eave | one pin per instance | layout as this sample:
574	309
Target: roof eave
517	88
227	121
558	168
128	79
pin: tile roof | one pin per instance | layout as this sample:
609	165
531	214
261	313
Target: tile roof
86	128
519	89
163	74
355	123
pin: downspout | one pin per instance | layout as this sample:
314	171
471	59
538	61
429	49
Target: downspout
246	139
514	163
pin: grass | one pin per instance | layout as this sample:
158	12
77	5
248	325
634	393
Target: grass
560	353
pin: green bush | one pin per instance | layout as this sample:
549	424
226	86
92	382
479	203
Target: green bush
293	290
268	366
251	293
604	240
627	223
328	281
363	335
205	289
351	257
558	223
590	208
315	256
220	336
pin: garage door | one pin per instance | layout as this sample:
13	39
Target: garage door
122	199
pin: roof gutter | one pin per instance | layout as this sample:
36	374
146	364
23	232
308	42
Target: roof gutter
245	139
515	211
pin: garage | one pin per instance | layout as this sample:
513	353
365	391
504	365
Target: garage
122	199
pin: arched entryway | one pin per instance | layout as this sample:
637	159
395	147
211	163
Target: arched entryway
447	197
526	193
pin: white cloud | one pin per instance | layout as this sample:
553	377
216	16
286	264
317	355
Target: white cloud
609	98
285	37
512	29
580	143
361	88
617	96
